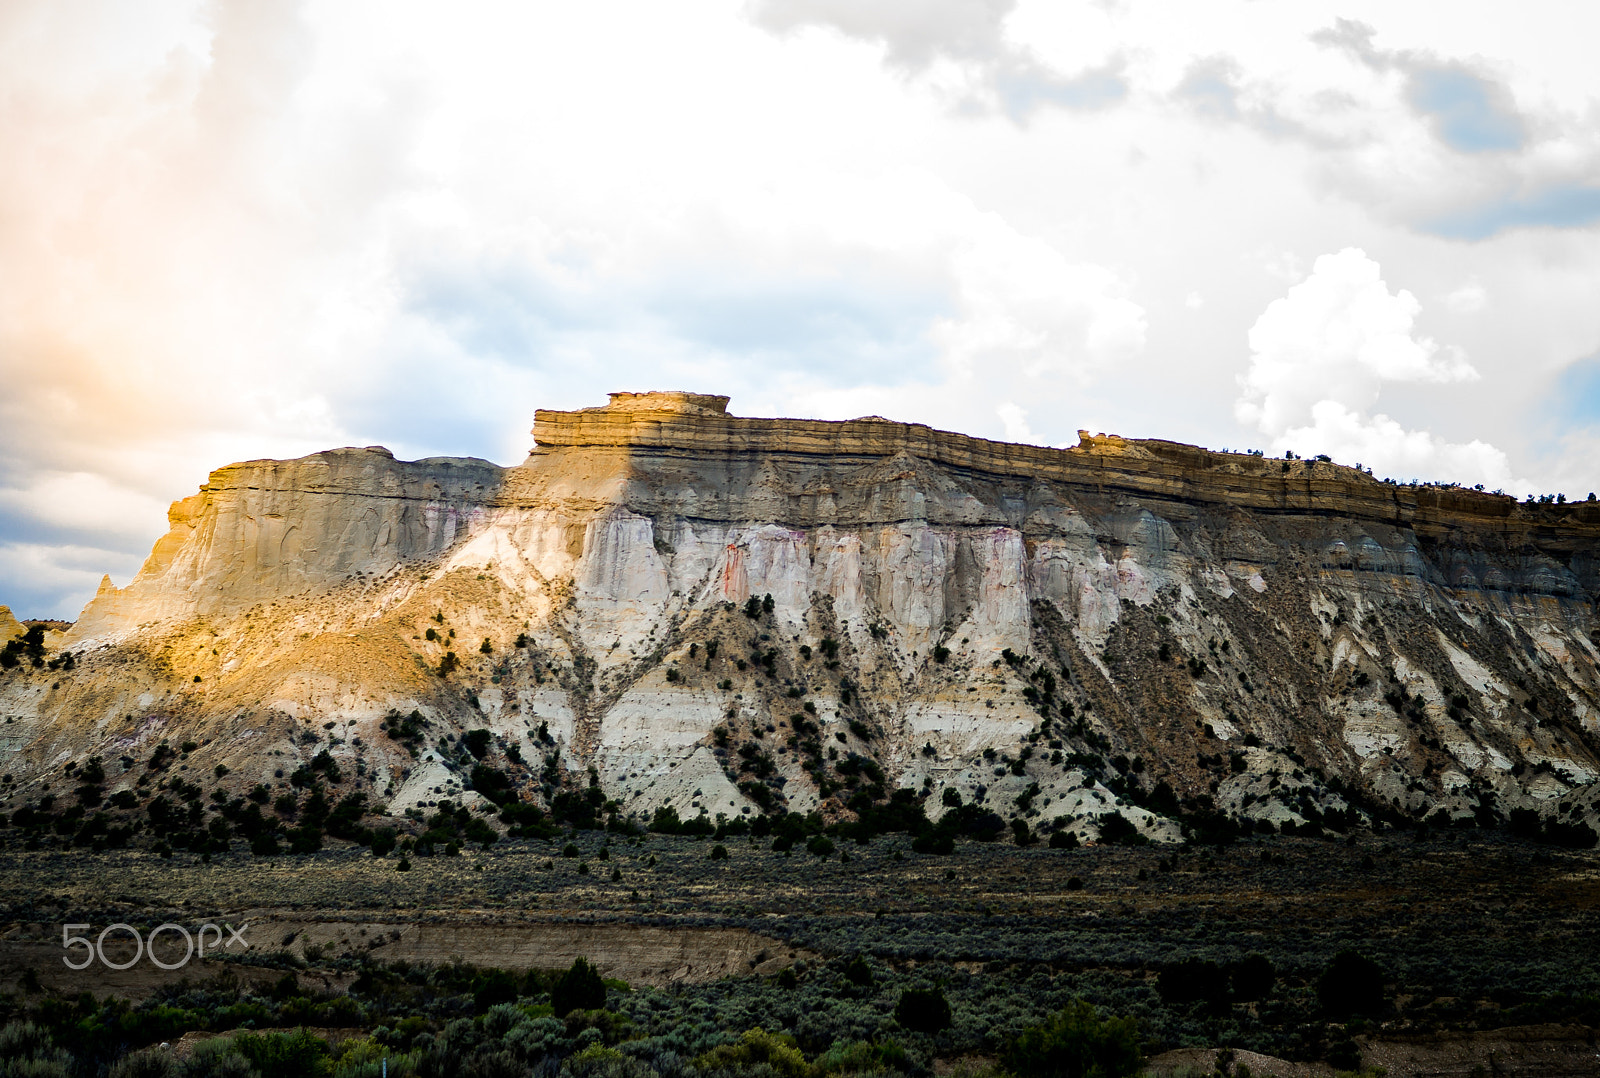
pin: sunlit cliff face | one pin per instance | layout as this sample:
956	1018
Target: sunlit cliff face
663	589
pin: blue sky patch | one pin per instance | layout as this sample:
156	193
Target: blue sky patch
1465	109
1561	206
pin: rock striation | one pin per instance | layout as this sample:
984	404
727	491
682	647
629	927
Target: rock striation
727	615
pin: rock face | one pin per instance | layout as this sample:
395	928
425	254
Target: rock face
719	613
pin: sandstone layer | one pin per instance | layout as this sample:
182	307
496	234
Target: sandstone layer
1124	626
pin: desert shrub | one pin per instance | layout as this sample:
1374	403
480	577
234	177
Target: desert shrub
755	1048
216	1058
865	1057
579	989
534	1039
285	1055
1076	1043
145	1063
28	1051
598	1061
1194	980
1253	978
923	1010
477	742
819	845
1351	984
858	973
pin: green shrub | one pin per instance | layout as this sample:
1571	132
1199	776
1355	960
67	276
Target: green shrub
820	845
1076	1043
755	1048
285	1055
864	1057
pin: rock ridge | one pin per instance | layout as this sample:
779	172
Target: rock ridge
680	608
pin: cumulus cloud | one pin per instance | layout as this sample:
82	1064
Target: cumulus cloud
1338	335
1320	356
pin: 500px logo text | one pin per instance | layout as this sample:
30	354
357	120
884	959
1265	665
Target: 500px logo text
97	947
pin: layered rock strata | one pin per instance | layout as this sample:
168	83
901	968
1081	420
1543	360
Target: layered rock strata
720	613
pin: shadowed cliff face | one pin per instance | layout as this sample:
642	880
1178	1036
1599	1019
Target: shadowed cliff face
720	613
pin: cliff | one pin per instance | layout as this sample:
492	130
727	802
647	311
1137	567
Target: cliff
725	614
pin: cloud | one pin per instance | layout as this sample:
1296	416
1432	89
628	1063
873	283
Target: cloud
1469	111
1015	419
1383	444
1337	335
1468	299
1210	87
914	33
918	35
1320	356
1438	142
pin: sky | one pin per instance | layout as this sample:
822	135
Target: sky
237	230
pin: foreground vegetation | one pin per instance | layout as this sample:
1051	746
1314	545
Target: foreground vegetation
1289	947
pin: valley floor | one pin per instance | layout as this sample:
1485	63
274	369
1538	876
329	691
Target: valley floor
1472	931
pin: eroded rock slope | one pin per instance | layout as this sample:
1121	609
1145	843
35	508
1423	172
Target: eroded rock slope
708	612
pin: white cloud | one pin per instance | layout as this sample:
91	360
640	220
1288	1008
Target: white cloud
1015	419
1384	445
1320	356
234	230
978	52
1337	335
1468	299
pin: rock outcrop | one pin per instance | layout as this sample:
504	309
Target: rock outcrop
725	614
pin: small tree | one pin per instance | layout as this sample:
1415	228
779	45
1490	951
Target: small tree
579	989
1352	984
924	1010
1253	978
